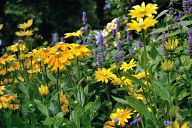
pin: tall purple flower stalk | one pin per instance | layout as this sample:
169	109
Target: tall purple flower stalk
139	44
118	24
84	17
135	121
167	123
185	5
190	41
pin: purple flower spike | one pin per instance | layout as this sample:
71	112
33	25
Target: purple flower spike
84	17
135	121
118	24
119	45
139	44
116	120
167	123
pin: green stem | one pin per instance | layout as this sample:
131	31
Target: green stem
108	98
58	89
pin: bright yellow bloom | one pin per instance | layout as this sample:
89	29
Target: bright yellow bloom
1	26
141	24
13	106
77	33
5	100
104	75
171	45
125	66
109	124
126	81
17	47
13	67
24	33
34	69
167	65
122	115
61	46
140	75
141	11
41	54
58	60
3	71
64	103
176	125
26	25
80	51
1	89
43	90
6	58
117	81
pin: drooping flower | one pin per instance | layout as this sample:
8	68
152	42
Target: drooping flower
141	11
122	115
24	33
7	58
167	65
171	45
43	90
26	25
125	66
104	75
17	47
64	102
77	33
1	26
141	24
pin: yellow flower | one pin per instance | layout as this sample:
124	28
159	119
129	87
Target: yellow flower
34	69
140	75
58	60
77	33
26	25
61	46
17	47
13	106
43	90
122	115
64	103
171	44
104	75
167	65
1	89
3	71
14	66
126	81
117	81
1	26
24	33
6	58
176	125
125	66
109	124
80	51
141	24
141	11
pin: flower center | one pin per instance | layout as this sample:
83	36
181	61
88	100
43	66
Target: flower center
143	11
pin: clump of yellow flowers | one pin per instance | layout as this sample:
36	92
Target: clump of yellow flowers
24	31
144	17
43	90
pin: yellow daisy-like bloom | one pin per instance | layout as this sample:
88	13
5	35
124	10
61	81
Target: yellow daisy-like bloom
26	25
109	124
3	71
61	46
14	66
167	65
125	66
58	60
13	106
1	26
17	47
7	58
77	33
141	24
126	81
141	11
64	103
171	45
43	90
34	69
24	33
117	81
41	54
104	75
1	89
177	125
140	75
80	51
122	115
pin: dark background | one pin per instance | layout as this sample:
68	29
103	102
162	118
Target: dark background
59	16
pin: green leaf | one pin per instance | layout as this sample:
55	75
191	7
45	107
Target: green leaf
24	89
41	107
51	77
153	52
81	96
161	14
48	121
141	108
123	101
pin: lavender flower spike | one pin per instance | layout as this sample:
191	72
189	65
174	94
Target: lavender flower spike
84	17
167	123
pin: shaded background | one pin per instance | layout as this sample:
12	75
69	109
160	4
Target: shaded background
59	16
